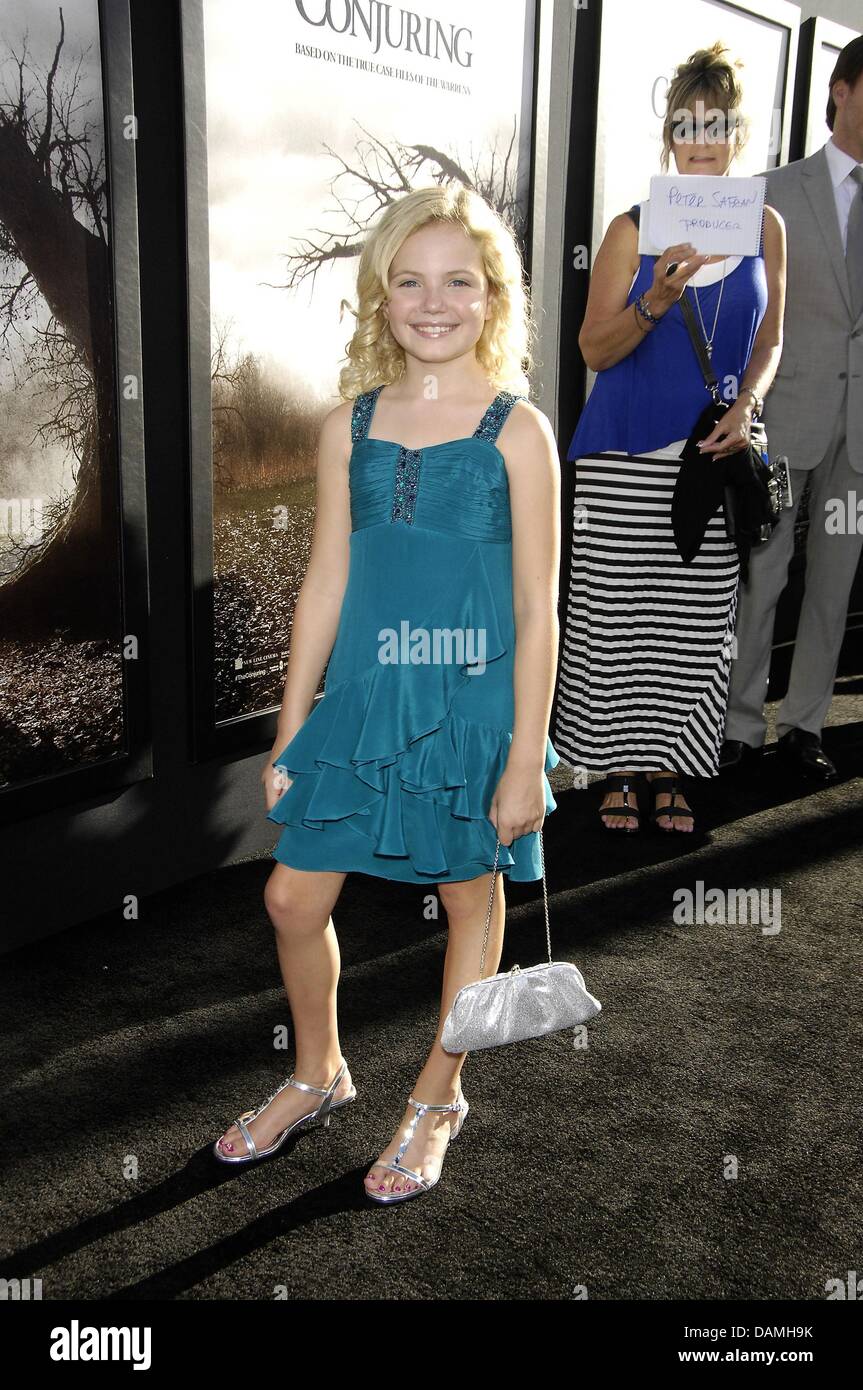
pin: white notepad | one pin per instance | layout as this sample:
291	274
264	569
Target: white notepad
719	215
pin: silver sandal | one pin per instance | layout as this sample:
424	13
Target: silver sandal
321	1116
425	1184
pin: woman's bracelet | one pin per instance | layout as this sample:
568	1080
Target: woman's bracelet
645	310
757	402
643	328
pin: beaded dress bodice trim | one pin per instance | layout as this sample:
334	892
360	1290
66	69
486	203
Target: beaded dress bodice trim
408	461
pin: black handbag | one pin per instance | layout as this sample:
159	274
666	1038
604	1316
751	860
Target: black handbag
746	484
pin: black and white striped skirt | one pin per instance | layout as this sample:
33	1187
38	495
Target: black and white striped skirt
647	647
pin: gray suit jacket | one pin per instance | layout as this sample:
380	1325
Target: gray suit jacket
822	354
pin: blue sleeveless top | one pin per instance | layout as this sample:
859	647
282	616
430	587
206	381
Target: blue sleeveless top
654	395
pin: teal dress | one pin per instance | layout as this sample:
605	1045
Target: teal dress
394	770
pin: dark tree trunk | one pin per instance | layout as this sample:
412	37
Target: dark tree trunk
74	580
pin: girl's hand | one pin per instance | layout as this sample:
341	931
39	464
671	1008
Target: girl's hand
275	780
518	805
732	432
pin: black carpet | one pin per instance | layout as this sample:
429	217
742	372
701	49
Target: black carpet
704	1145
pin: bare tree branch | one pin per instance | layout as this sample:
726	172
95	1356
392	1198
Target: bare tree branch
380	173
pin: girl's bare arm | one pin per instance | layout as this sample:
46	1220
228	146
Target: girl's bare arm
319	605
530	452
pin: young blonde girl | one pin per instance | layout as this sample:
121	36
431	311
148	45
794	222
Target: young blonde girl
437	512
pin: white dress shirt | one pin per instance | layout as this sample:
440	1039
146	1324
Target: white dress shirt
844	187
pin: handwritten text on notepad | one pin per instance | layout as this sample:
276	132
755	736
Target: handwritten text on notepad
719	215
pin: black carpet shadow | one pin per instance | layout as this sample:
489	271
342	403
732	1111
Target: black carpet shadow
603	1165
203	1173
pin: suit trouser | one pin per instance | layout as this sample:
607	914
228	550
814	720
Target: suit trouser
831	563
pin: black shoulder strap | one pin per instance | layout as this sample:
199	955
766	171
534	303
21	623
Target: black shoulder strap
635	213
710	378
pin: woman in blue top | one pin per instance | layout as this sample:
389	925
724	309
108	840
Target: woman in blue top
431	598
648	639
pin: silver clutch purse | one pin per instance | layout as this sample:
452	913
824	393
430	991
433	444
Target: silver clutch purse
517	1004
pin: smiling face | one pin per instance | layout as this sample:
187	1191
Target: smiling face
439	294
703	140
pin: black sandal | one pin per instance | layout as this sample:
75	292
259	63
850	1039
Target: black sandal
667	784
621	782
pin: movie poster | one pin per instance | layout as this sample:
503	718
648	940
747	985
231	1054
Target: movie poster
62	681
318	117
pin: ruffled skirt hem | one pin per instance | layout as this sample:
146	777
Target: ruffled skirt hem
406	776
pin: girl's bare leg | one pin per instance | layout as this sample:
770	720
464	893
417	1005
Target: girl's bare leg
299	904
439	1082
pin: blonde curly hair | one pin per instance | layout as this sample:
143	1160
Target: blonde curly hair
505	347
708	75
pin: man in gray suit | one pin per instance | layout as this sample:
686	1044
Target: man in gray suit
814	415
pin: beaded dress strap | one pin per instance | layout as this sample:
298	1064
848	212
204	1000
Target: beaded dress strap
362	413
495	417
488	428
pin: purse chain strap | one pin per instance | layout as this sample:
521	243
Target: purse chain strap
491	900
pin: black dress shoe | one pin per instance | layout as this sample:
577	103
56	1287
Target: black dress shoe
735	753
803	750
